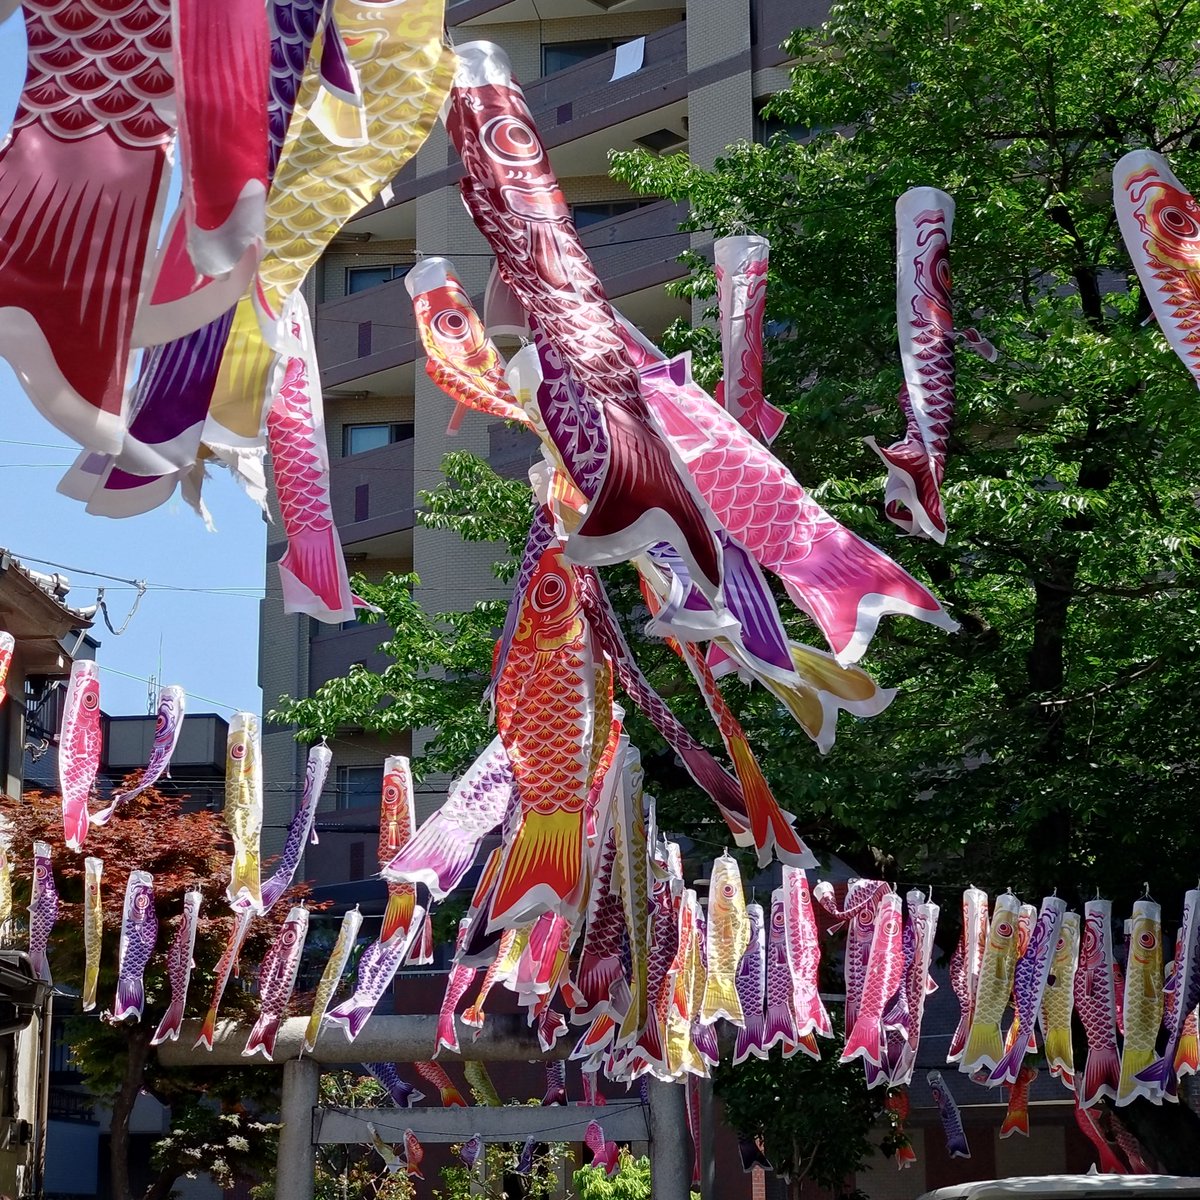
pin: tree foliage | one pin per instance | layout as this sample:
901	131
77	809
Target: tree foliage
1015	749
215	1123
814	1118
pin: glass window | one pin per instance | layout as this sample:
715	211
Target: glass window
358	279
358	787
589	214
358	438
558	56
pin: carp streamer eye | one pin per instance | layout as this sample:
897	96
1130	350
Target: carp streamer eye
451	325
1004	929
550	592
91	698
511	140
237	750
1147	941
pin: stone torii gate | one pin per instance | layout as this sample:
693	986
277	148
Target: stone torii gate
306	1123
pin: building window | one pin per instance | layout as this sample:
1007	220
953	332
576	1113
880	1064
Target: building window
589	214
358	279
358	787
358	438
766	128
558	56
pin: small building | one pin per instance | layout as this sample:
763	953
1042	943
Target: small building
49	635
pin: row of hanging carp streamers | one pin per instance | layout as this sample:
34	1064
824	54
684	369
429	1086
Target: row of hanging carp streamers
1051	964
288	118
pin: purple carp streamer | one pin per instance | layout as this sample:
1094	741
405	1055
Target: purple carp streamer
168	725
445	847
179	969
276	981
139	933
301	828
43	909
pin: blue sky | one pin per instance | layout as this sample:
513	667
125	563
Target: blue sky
207	631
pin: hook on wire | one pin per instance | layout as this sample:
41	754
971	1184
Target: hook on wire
140	584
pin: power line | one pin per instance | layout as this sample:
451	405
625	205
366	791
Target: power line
195	695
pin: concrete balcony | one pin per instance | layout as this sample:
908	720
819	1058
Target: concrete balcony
496	12
371	333
582	114
333	651
583	99
372	496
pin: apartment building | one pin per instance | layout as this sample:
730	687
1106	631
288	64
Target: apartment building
704	69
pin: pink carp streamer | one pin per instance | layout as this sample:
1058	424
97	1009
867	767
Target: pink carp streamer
7	645
79	747
1160	224
222	61
917	464
312	570
741	267
82	176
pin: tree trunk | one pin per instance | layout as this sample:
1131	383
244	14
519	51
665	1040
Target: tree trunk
1170	1134
122	1109
1046	670
162	1187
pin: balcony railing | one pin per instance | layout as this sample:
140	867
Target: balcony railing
366	332
771	22
638	249
584	98
372	492
332	652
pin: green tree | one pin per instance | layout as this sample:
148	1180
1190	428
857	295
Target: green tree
216	1126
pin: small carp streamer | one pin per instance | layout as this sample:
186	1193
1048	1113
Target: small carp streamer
917	464
243	810
1160	224
301	828
331	976
180	963
276	981
168	725
79	747
952	1125
139	933
43	909
7	645
93	929
741	268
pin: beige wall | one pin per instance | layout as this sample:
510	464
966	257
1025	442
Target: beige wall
453	574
